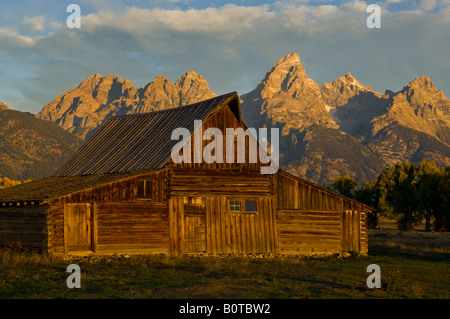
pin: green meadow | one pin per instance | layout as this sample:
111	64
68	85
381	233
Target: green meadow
413	265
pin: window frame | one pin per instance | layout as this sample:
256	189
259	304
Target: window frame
241	202
251	200
147	189
238	205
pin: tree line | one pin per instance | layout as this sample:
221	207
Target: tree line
405	192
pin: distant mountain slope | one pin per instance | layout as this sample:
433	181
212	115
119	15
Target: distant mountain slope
311	144
421	107
31	148
352	105
410	125
83	109
323	153
3	106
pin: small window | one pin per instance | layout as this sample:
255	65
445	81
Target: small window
144	189
235	206
250	206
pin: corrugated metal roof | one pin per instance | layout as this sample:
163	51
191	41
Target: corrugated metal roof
136	142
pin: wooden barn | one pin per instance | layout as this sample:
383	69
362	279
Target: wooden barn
121	192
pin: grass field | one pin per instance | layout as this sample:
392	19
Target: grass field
413	265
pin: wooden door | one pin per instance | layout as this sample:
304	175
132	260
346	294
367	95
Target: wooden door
351	231
78	227
194	225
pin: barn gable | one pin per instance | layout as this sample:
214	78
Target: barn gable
141	141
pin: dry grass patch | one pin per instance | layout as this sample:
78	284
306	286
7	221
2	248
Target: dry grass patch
413	265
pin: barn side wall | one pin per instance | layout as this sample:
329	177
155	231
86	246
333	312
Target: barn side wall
138	227
120	222
311	220
221	230
27	225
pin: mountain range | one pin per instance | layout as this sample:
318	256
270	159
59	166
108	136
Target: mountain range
82	110
342	127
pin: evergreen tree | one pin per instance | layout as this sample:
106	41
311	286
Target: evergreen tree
429	192
397	195
444	192
344	185
366	195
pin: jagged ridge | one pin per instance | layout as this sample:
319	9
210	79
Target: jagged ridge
83	109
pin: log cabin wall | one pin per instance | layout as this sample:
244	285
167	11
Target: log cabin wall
27	225
137	227
147	219
216	182
120	191
311	220
201	220
218	230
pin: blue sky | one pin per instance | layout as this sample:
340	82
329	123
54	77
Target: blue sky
231	43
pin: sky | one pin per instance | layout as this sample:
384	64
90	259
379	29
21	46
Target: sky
232	44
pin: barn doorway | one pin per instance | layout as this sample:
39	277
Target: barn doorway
194	225
78	230
351	231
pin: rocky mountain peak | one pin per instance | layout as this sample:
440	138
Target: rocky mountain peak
191	79
349	79
286	97
190	75
159	83
422	82
287	75
421	92
341	90
192	88
288	60
418	107
83	109
89	84
419	86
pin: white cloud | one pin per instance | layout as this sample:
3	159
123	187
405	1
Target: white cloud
11	38
230	20
33	24
394	1
427	4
